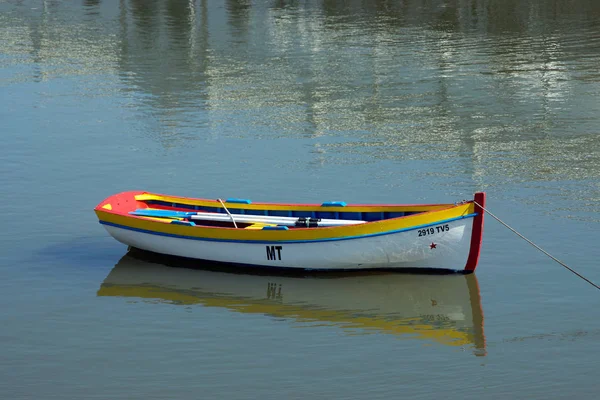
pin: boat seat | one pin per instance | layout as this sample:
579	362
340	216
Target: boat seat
259	225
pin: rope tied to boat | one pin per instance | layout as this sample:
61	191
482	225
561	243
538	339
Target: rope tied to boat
227	211
537	247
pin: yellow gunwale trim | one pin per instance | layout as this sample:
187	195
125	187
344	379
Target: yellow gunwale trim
299	234
293	207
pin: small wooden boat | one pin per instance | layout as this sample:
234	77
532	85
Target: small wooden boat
327	236
446	309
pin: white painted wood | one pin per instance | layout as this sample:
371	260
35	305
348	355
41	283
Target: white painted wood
397	250
286	221
243	218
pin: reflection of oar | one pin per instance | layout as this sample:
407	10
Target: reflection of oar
242	218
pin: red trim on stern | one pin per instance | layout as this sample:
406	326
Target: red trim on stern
477	233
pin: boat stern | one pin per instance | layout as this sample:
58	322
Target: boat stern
477	232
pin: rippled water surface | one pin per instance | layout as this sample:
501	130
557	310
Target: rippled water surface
303	101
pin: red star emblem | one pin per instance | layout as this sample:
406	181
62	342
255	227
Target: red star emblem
432	245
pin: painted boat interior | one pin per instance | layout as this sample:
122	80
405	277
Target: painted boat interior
326	210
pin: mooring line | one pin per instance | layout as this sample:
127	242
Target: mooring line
538	247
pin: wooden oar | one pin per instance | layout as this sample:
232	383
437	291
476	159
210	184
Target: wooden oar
243	218
228	213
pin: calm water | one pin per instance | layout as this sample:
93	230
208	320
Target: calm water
310	101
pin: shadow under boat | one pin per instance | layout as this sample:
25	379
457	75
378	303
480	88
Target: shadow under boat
441	308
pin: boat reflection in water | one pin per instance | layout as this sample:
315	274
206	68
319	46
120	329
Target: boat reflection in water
440	308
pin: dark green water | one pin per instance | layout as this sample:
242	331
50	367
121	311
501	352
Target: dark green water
306	101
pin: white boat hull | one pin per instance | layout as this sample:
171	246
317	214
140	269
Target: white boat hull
439	246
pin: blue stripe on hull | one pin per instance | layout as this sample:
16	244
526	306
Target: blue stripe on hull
412	228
